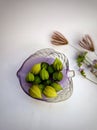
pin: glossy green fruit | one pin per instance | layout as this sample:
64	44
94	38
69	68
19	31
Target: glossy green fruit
37	79
36	68
30	77
56	86
49	92
47	82
41	87
50	69
57	76
44	65
35	92
44	74
57	64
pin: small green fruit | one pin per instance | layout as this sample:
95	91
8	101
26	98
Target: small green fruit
56	86
30	77
41	87
57	64
49	92
44	74
36	68
57	76
37	79
44	65
47	82
35	92
50	69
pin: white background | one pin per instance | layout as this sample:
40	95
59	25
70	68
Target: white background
25	27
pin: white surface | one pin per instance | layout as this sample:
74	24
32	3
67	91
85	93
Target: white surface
26	26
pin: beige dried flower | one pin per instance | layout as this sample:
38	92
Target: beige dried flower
87	43
58	39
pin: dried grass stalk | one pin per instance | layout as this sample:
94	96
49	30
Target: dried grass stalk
58	39
87	43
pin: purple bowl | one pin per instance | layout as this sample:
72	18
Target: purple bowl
47	55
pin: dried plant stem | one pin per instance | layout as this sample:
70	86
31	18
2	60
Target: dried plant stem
87	62
91	81
74	47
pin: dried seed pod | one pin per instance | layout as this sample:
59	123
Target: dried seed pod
87	43
58	39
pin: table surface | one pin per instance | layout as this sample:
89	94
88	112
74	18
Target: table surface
25	27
